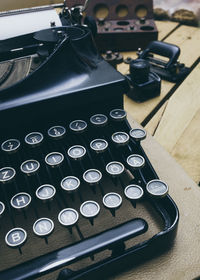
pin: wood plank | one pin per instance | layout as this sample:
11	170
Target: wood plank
187	149
187	38
180	111
154	122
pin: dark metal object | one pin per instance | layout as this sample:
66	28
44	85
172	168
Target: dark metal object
123	25
113	58
73	79
144	84
170	70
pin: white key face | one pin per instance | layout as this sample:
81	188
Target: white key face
92	176
133	192
7	174
118	114
115	168
43	227
99	145
138	134
157	188
30	166
112	200
34	138
78	126
76	152
68	217
46	192
120	138
54	159
90	209
20	200
16	237
2	208
70	183
57	132
99	120
136	161
11	145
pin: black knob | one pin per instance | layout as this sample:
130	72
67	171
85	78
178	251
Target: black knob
139	71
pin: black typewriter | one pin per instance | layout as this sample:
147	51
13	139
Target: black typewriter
79	197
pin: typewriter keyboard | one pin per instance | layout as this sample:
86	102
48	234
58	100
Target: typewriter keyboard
72	180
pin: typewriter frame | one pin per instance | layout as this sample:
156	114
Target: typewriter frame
165	207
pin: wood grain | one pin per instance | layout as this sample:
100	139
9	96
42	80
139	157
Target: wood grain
180	111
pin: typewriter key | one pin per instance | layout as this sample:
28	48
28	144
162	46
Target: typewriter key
70	183
56	132
133	193
16	237
136	161
7	174
43	227
2	208
115	168
99	120
20	200
46	192
10	146
54	159
29	167
34	138
112	201
120	138
157	188
92	176
78	126
76	152
138	134
68	217
99	145
90	209
118	115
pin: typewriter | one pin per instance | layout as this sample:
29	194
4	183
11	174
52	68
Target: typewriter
79	197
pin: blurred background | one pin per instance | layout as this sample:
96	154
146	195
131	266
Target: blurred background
184	11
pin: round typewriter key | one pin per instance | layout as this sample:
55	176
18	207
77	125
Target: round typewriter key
78	126
90	209
7	174
120	138
34	138
99	120
136	161
112	201
46	192
2	208
76	152
99	145
68	217
16	237
92	176
133	193
10	146
115	168
70	183
118	114
29	167
43	227
56	132
20	200
138	134
157	188
54	159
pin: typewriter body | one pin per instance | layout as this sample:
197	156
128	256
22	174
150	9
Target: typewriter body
79	197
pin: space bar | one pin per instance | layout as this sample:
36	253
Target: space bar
67	255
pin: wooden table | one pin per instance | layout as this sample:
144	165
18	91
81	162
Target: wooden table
173	117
